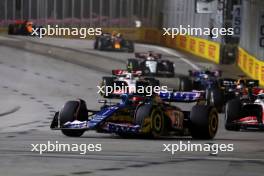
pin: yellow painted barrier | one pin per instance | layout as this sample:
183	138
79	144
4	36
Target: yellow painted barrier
251	65
199	47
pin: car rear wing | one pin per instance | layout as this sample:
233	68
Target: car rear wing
252	83
227	82
145	55
120	72
171	96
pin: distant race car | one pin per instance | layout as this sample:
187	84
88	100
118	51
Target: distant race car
150	63
128	81
204	79
140	115
233	88
21	27
114	42
245	112
207	80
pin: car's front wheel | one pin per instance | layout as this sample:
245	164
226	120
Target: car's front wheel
73	110
204	122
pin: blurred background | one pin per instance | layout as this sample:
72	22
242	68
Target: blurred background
246	17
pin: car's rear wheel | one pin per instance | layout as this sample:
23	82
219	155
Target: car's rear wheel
183	84
215	97
171	69
233	111
100	44
130	46
11	29
73	110
204	122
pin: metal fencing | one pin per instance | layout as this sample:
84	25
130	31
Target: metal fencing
103	13
252	30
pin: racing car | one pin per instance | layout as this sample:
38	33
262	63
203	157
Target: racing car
206	80
140	116
150	63
233	88
21	27
245	112
124	81
113	42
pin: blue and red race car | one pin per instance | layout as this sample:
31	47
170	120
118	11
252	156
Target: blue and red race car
141	115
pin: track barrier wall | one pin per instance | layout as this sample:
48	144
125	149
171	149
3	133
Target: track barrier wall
251	65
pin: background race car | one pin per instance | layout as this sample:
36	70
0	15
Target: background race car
140	115
114	42
233	88
245	113
124	81
21	27
203	80
150	63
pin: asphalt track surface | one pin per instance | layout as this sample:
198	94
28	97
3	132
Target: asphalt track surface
33	86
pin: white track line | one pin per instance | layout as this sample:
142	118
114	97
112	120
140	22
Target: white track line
173	53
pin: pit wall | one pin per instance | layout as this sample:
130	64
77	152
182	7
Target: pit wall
251	65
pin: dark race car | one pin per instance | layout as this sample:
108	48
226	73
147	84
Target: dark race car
245	112
21	27
205	80
150	63
114	42
140	115
233	88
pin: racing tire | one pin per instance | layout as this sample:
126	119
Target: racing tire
204	122
171	70
130	46
100	45
11	28
96	44
233	110
142	111
183	84
215	97
107	81
159	125
69	113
